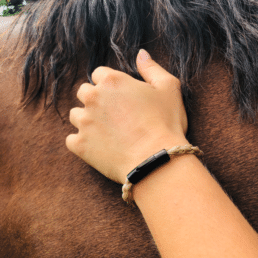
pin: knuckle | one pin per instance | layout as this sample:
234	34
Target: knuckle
172	80
97	72
69	141
72	113
81	90
91	96
83	121
99	69
81	145
74	144
150	66
168	79
111	78
79	117
87	94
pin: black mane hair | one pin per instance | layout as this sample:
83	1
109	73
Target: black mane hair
190	31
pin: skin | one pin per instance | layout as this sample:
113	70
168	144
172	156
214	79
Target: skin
195	217
136	117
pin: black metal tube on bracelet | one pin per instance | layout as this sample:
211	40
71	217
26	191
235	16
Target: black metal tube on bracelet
148	166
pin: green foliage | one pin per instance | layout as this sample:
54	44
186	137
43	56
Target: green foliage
3	2
6	12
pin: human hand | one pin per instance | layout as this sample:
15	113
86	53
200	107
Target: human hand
125	120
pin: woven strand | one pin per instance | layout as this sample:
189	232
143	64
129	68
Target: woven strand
177	150
127	193
187	149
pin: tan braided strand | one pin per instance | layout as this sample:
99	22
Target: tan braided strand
177	150
127	192
187	149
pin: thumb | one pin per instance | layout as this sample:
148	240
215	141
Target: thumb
153	73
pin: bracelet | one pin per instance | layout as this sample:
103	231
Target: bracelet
151	164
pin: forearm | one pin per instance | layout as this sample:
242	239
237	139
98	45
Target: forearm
189	215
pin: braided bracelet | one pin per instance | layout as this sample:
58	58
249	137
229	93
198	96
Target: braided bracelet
152	163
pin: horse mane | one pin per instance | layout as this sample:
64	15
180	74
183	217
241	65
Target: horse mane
189	31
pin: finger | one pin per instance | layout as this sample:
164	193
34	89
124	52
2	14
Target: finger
100	73
74	144
79	118
154	74
87	94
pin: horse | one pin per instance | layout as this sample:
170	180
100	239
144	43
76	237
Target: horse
53	204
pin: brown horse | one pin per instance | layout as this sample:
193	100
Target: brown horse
52	204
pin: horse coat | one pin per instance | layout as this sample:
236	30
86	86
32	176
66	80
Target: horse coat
52	204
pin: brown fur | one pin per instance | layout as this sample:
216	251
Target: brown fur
52	204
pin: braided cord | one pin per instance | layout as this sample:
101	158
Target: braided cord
177	150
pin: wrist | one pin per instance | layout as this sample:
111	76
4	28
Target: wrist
146	149
152	184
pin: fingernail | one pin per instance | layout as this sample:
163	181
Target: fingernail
144	55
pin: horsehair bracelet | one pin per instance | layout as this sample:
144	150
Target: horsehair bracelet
152	163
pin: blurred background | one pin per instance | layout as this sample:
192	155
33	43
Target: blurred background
11	7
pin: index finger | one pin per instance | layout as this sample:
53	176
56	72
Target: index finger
99	73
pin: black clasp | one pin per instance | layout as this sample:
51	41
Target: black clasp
148	166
